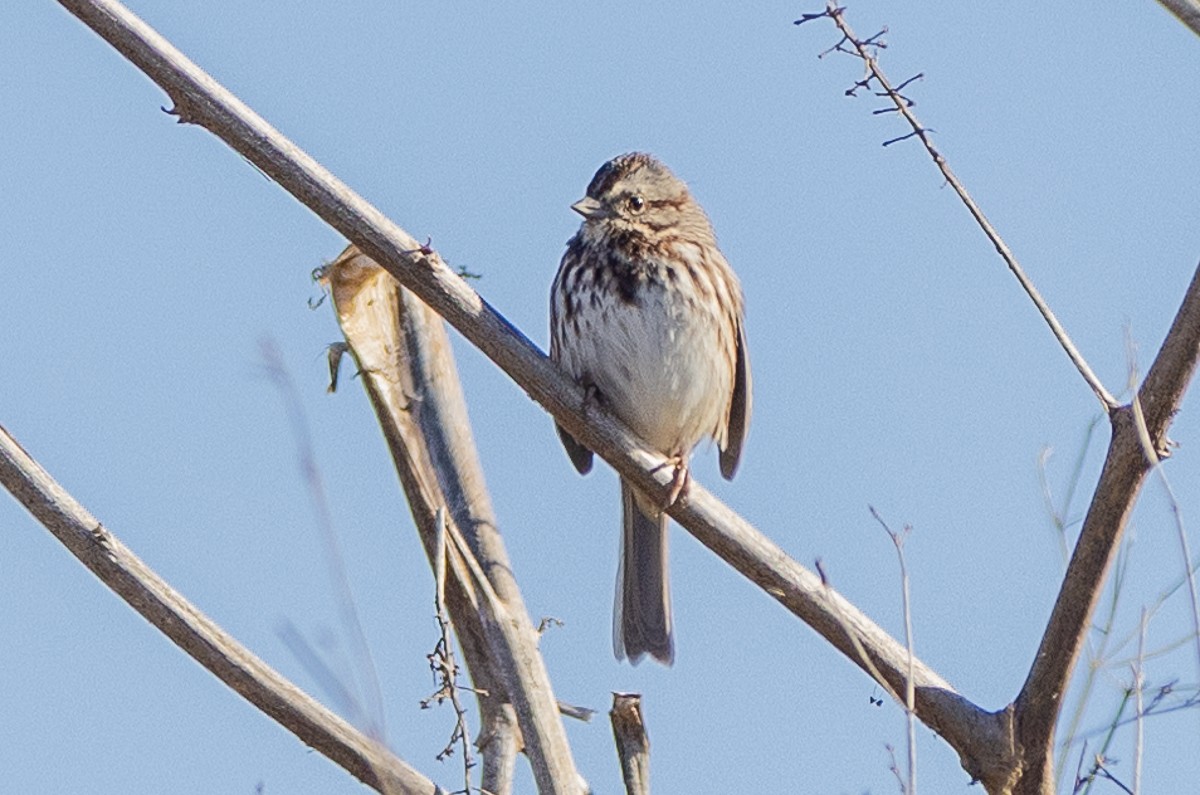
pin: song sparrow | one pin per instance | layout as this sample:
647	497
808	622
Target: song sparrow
646	313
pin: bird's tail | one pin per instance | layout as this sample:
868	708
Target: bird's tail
642	614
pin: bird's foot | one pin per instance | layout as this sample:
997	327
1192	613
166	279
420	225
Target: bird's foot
680	479
591	397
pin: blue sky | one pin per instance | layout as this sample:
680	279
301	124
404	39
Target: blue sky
896	363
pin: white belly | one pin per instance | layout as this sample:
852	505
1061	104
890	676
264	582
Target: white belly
658	365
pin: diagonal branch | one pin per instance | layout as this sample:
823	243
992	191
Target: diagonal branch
122	571
199	99
1186	11
863	50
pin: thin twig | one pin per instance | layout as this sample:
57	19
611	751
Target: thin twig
909	690
894	768
1100	770
1153	456
863	50
863	659
1101	757
1079	769
1159	705
1177	513
1139	682
1096	656
443	665
1060	516
366	680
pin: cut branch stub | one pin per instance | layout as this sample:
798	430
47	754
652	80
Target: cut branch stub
633	746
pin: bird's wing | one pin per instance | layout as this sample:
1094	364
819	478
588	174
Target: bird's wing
739	409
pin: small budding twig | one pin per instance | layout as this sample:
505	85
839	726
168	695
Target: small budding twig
867	50
444	666
894	769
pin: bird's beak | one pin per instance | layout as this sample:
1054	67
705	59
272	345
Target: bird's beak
588	207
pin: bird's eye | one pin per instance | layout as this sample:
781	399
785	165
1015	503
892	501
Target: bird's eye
636	204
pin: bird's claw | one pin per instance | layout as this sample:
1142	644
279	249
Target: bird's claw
680	479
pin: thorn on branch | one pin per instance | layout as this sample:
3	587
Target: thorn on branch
893	95
913	79
828	12
876	41
914	134
839	47
183	110
861	85
867	51
425	248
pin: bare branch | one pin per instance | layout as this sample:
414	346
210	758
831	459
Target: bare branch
367	705
122	571
1186	11
408	371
